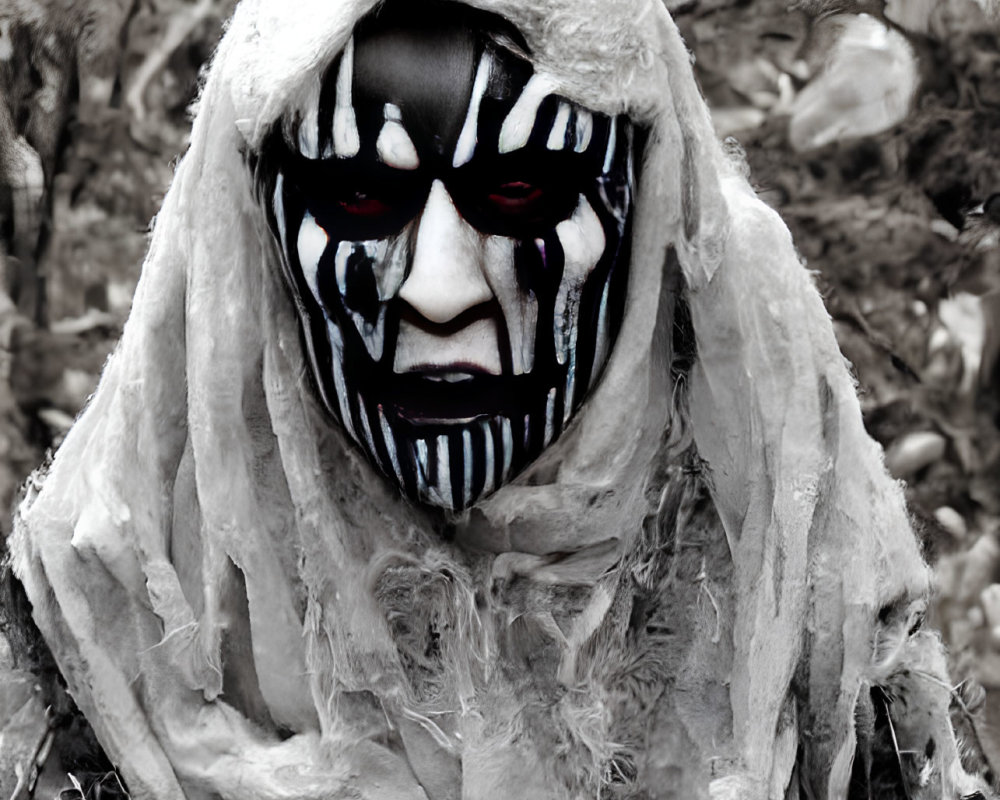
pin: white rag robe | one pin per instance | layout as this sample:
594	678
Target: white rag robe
688	595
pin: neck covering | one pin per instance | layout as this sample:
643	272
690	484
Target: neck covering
693	593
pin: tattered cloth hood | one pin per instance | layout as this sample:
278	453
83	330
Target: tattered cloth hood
690	594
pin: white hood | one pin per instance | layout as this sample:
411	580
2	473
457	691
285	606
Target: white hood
683	592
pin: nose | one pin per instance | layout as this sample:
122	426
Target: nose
446	276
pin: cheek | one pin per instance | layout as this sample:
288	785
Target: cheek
583	243
361	275
310	245
390	270
346	275
519	307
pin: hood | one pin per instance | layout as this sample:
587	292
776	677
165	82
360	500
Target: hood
685	591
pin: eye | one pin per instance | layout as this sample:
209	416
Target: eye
361	201
361	204
515	197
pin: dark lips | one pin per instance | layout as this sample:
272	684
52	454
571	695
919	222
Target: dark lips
427	397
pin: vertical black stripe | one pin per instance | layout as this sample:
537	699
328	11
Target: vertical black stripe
355	410
545	345
381	452
327	105
406	454
326	277
456	466
542	126
360	287
496	431
478	460
517	438
598	147
559	407
505	345
313	315
432	461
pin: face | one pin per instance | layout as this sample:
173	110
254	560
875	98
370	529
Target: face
456	239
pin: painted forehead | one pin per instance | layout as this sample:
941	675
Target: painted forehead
425	71
438	90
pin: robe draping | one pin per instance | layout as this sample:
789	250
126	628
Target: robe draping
691	593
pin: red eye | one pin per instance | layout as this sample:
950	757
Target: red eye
363	205
515	196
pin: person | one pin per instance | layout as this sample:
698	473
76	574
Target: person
476	432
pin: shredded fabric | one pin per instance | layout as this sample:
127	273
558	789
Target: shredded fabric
708	587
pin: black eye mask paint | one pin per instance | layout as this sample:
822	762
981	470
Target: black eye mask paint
431	131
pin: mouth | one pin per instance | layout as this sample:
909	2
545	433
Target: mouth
452	433
450	395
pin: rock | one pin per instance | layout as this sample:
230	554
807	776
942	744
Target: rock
961	634
987	670
980	568
989	598
964	316
736	118
914	15
23	727
866	88
911	453
953	522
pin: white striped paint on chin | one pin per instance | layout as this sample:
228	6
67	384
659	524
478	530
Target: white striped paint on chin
443	465
432	458
466	467
443	486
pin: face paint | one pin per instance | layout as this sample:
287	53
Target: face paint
456	237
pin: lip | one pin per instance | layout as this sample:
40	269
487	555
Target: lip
474	348
455	372
449	394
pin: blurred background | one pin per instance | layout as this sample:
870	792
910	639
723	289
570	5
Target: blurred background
872	126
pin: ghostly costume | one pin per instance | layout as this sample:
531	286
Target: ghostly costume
457	245
257	581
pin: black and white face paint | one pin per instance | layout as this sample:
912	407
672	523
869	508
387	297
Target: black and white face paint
456	237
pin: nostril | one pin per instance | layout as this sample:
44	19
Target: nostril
489	309
442	302
446	275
